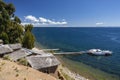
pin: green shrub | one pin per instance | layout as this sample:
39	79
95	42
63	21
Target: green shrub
23	61
28	40
6	57
4	37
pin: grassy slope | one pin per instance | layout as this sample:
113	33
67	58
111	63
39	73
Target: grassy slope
12	71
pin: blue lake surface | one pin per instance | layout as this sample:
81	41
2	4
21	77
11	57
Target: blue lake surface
80	39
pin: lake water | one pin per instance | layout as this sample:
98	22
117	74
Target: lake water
81	39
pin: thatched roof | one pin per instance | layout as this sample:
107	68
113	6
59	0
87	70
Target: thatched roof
19	54
37	51
42	61
5	49
15	46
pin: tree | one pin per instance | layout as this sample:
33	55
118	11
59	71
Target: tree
28	40
28	27
4	37
17	20
11	30
10	8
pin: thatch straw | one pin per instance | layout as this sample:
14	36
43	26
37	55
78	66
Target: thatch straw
37	51
19	54
15	46
5	49
40	61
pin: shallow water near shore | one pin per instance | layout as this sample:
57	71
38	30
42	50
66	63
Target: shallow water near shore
81	39
86	70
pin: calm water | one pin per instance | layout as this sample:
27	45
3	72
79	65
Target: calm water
79	39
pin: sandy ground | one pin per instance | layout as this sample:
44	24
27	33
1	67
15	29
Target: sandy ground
12	71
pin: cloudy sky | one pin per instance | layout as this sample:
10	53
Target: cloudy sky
68	13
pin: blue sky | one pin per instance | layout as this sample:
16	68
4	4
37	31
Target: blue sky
74	13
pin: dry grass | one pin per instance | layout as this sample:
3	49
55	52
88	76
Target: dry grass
12	71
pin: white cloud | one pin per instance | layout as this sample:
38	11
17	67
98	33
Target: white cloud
41	21
99	23
44	20
31	18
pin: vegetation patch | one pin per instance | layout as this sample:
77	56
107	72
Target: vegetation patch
67	77
23	61
6	57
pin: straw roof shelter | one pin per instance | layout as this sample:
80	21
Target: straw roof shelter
38	59
43	62
37	51
19	54
5	49
15	46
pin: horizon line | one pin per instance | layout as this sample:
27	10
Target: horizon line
82	26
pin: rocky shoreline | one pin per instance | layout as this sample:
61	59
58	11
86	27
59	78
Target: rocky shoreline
72	75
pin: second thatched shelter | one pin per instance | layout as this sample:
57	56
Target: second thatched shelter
46	63
19	54
5	49
16	46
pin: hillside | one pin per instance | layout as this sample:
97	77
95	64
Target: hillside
12	71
